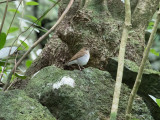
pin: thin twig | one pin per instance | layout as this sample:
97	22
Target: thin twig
14	70
12	44
118	83
14	16
141	68
38	41
4	16
6	1
26	37
36	22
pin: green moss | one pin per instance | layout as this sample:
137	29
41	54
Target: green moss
97	6
16	105
89	99
149	83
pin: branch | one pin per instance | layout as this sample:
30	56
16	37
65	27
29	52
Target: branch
7	1
34	24
141	68
1	75
121	61
15	70
37	42
14	16
4	16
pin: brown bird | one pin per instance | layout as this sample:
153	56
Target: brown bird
80	58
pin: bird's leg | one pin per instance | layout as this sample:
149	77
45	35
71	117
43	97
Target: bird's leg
79	68
83	67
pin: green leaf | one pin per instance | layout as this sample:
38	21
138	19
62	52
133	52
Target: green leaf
20	48
2	63
31	17
24	45
5	71
13	10
158	102
32	3
2	40
34	19
42	29
154	52
28	63
149	27
20	76
151	23
13	29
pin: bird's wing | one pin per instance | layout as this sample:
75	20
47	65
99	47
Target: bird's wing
77	55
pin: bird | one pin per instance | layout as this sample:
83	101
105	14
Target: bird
81	58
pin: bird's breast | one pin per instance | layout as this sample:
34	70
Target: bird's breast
83	60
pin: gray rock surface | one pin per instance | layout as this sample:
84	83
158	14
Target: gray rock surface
150	84
16	105
81	95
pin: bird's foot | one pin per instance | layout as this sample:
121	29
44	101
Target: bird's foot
79	68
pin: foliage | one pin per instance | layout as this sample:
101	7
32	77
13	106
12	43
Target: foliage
14	10
13	29
2	40
155	100
158	102
24	44
20	76
154	52
32	3
150	26
12	42
28	63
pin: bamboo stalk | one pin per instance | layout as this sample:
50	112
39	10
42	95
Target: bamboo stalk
4	16
141	68
124	38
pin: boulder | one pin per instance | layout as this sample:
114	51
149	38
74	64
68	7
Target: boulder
16	105
81	95
150	84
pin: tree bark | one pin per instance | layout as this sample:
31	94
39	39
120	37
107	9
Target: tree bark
97	25
117	88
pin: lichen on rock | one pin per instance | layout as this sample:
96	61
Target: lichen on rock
89	99
16	105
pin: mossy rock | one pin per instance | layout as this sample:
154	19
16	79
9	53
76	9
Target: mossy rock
16	105
150	79
150	84
81	95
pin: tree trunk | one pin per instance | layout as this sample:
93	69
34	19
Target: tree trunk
96	24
